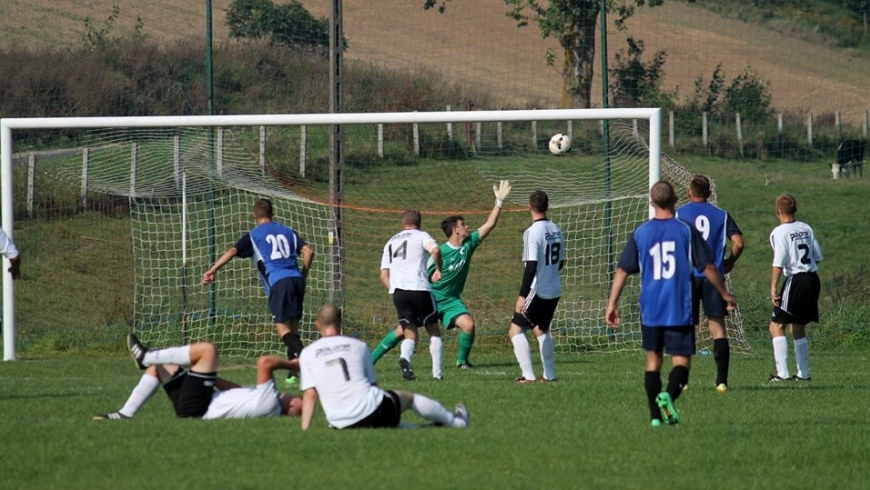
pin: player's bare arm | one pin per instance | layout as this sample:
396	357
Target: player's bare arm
224	259
435	251
775	274
736	251
501	193
718	282
385	278
309	401
307	258
266	365
611	316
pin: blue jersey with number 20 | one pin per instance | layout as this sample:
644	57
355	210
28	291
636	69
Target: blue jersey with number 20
275	250
665	252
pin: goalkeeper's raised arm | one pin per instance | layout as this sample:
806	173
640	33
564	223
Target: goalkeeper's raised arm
501	191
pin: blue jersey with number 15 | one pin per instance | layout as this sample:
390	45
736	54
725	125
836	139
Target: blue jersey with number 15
275	250
665	252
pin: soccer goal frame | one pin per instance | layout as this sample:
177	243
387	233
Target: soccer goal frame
9	125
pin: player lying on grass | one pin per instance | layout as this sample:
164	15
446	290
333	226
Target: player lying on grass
339	371
198	392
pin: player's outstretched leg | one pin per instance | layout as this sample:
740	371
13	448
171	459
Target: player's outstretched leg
389	341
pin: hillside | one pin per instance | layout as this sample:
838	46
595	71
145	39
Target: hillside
474	42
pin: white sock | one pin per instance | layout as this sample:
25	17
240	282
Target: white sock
780	356
170	355
523	353
407	349
548	355
143	391
436	348
431	410
802	357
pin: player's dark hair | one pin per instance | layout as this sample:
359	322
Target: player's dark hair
412	217
662	195
263	209
539	201
700	186
449	223
786	204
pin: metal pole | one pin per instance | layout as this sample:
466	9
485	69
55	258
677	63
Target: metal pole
336	155
605	142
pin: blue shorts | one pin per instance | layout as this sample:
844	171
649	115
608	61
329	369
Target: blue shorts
285	299
676	341
704	293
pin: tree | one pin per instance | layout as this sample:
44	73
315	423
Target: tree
573	24
289	24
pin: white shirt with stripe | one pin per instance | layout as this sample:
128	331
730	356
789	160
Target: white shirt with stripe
795	248
544	242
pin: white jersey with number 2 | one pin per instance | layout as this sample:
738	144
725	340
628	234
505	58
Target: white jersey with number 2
405	255
795	248
341	370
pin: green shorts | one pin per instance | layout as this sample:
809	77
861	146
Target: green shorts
449	310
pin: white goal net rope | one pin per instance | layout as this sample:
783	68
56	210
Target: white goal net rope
191	191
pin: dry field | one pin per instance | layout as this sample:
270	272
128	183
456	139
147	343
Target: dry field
474	42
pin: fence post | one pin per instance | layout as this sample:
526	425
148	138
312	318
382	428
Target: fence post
219	150
134	157
478	127
779	123
535	135
449	128
416	139
31	182
263	150
303	149
810	129
704	140
86	160
498	136
865	123
739	133
671	128
176	161
570	129
381	140
837	123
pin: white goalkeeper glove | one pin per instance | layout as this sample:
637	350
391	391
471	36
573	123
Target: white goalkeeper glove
501	192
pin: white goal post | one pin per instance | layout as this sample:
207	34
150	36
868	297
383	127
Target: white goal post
8	126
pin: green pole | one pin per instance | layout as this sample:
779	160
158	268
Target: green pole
605	142
209	78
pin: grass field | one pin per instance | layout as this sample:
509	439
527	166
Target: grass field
589	430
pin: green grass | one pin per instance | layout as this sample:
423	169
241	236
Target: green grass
589	430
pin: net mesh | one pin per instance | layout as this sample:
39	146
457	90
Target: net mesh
184	195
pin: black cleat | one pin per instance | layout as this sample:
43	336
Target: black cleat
110	416
407	372
137	350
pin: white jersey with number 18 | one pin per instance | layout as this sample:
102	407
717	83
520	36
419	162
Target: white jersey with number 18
544	242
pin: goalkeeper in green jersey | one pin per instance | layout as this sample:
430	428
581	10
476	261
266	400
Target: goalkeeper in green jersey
456	258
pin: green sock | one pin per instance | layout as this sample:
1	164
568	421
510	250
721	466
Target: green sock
390	340
465	343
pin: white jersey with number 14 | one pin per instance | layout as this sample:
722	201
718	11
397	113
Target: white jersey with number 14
405	255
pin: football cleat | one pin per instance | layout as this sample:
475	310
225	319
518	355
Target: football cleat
407	372
546	380
460	416
464	365
798	378
110	416
655	423
777	379
137	350
291	381
522	380
722	388
670	415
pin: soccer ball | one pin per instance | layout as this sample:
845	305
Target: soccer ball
560	143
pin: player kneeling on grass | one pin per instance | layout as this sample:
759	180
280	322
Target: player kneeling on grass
198	392
339	371
665	251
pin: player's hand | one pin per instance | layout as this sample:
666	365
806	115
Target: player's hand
208	277
436	276
731	302
520	307
612	317
502	190
774	297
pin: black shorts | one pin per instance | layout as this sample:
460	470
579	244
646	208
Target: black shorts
676	341
415	307
387	415
539	313
800	300
704	293
190	392
285	299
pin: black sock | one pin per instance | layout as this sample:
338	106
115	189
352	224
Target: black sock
293	343
653	384
678	378
722	356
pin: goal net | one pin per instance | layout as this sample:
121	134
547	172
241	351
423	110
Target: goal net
158	200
